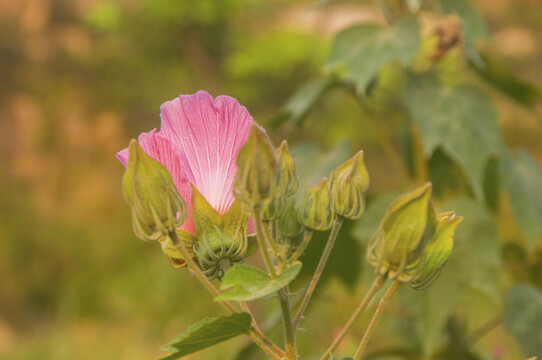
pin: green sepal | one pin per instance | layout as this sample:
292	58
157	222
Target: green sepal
235	218
203	214
206	218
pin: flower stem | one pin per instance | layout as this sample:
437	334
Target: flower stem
301	248
259	338
261	236
289	331
255	334
376	285
384	301
195	269
325	255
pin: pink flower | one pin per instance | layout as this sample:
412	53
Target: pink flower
198	144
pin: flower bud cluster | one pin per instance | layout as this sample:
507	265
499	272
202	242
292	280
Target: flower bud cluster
157	207
343	195
413	243
266	178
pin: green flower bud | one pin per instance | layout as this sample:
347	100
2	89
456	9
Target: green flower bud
403	234
437	252
218	250
157	207
273	209
288	226
316	209
257	174
348	185
288	174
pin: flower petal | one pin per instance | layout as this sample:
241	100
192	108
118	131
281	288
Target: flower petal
166	153
209	133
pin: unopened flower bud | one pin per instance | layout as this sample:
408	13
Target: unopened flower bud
288	226
316	209
257	175
288	174
400	240
348	185
273	209
437	252
157	207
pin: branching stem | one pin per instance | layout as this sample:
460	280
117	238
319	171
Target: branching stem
376	285
382	305
255	334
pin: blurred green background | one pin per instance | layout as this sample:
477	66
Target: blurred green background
79	78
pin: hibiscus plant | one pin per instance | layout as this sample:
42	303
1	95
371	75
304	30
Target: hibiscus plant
213	191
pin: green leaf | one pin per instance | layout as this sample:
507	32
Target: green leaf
460	120
208	332
523	318
522	179
499	76
364	49
470	282
303	99
472	22
251	283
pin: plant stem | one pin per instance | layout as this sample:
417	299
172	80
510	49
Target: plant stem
261	236
325	255
259	338
255	334
375	286
384	301
301	248
195	269
289	331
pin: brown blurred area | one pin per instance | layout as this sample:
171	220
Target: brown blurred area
78	79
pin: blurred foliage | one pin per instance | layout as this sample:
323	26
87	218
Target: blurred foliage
428	97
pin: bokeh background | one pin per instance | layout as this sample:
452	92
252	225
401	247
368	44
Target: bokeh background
79	78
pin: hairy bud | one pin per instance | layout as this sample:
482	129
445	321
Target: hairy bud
348	184
288	173
157	207
256	180
413	243
437	252
316	209
288	226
